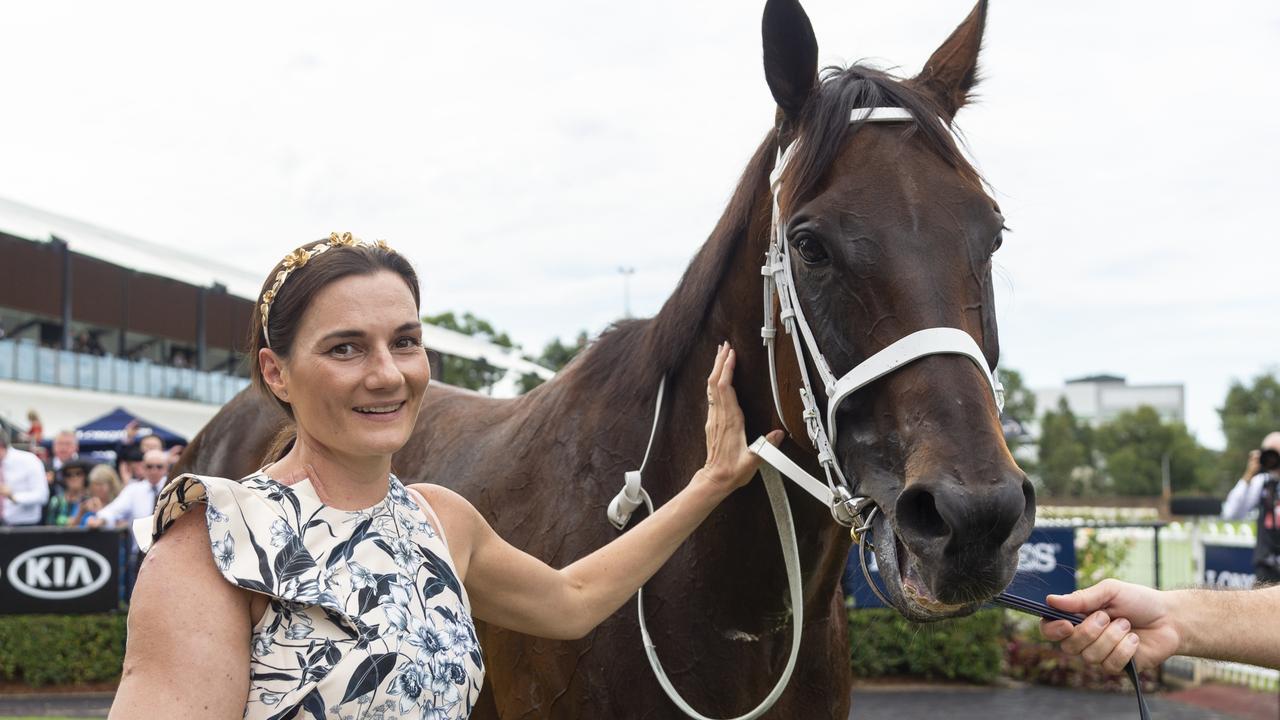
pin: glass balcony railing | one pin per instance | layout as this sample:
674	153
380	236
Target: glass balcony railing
26	361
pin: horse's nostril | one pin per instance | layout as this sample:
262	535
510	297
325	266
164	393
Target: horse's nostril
918	511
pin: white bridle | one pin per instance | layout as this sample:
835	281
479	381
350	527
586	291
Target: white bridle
837	493
779	282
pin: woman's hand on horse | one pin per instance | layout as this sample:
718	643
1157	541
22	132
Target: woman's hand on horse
730	464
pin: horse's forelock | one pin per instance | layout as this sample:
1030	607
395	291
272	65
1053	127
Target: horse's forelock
824	125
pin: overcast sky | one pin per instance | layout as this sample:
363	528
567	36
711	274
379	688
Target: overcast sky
520	152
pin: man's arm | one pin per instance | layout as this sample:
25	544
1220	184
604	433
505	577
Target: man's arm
29	487
1151	625
1244	496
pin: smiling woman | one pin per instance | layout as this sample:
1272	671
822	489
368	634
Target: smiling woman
322	584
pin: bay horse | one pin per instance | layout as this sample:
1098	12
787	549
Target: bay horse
893	231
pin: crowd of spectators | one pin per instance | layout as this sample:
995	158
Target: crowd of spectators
60	487
65	489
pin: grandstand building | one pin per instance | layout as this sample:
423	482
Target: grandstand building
92	319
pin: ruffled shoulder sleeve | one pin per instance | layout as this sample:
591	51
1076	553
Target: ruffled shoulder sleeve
236	513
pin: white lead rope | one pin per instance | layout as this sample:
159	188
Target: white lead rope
633	493
790	557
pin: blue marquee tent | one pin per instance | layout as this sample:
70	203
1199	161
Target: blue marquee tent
107	431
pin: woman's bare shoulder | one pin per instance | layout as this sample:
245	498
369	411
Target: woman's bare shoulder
184	613
180	569
463	524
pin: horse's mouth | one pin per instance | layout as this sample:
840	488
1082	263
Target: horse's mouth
906	586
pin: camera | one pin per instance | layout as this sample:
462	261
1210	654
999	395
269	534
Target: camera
1269	460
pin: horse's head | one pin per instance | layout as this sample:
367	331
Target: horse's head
891	231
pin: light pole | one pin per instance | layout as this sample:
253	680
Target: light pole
626	273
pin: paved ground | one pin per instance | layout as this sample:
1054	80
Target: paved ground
1043	703
892	703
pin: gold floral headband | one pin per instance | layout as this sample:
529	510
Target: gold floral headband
301	257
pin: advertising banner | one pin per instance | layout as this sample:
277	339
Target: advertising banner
1046	565
59	570
1228	567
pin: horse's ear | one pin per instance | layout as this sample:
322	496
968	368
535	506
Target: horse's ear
952	71
790	54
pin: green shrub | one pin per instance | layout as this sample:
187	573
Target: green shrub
1033	659
882	642
61	649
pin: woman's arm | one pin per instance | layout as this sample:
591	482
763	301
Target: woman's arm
189	633
513	589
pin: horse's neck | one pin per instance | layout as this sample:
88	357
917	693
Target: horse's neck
723	546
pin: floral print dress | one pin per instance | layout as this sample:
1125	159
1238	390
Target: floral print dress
367	619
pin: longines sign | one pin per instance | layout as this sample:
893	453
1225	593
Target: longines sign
1046	564
59	570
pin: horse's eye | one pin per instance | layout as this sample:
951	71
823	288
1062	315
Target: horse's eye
811	251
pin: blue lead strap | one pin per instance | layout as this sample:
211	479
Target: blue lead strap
1031	607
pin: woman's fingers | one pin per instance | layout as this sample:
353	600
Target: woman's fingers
717	370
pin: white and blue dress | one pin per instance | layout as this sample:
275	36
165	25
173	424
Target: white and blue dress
367	618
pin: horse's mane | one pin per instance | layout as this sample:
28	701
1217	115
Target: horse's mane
636	354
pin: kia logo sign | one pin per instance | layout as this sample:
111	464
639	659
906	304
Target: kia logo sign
58	572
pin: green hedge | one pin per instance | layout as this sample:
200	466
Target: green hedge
71	649
61	649
883	643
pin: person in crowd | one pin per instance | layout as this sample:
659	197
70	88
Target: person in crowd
24	490
1257	490
35	428
104	486
67	508
136	499
175	454
130	464
150	442
66	447
337	343
1127	621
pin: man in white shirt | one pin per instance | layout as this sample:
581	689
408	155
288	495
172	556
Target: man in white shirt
1258	489
138	498
23	487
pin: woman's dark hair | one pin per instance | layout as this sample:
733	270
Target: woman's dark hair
289	301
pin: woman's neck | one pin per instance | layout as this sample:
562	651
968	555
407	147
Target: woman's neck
342	481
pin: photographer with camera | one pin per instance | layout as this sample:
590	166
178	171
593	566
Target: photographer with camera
1258	489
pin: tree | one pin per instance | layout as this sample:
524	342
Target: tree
1066	465
470	374
1019	402
554	357
1018	415
1248	413
1134	447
